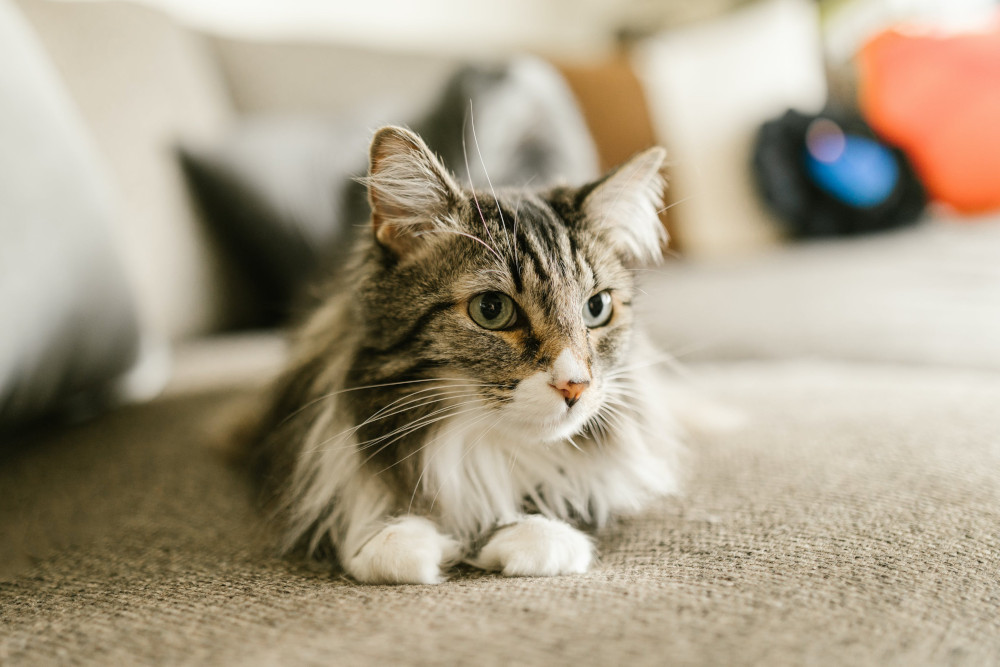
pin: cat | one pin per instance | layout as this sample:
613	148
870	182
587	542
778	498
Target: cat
473	390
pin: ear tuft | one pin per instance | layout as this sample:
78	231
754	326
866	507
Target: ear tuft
624	206
409	189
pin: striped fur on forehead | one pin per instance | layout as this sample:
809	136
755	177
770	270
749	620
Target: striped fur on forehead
542	234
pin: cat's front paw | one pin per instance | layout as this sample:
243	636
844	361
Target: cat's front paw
537	547
408	551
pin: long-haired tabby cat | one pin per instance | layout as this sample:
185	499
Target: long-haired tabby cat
474	389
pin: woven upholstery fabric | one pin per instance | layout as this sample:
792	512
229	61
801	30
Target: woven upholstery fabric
853	520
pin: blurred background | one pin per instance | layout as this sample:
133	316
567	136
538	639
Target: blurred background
176	174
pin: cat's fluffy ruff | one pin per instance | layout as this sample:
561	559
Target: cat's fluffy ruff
408	437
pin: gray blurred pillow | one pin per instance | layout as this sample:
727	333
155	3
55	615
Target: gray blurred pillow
69	326
281	191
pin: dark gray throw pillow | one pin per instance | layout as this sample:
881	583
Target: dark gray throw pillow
69	328
282	192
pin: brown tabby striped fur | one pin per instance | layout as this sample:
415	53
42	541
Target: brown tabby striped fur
398	405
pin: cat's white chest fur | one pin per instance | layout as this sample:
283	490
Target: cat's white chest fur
479	474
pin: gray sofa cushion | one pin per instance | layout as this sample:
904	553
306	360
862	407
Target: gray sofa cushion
69	323
924	295
854	521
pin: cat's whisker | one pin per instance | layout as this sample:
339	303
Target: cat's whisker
333	394
613	404
468	236
513	460
450	391
593	425
419	422
410	398
412	425
427	463
626	394
629	419
601	434
645	269
674	203
671	359
693	347
472	187
415	427
625	371
416	406
424	402
416	451
475	139
613	419
439	388
465	453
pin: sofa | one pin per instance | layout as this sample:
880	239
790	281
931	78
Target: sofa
844	507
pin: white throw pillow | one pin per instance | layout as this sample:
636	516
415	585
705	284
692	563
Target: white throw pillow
710	87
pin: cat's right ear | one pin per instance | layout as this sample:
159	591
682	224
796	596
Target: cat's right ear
624	206
410	191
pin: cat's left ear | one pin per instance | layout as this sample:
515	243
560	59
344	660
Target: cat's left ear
410	191
624	206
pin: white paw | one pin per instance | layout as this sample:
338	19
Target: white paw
408	551
537	547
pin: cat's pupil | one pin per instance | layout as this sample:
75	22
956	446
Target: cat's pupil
491	306
595	305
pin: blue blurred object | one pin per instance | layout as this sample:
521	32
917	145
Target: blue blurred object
856	170
829	175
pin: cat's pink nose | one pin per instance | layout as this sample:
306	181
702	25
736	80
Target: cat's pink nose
571	390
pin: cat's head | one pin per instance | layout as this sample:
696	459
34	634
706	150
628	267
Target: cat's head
521	301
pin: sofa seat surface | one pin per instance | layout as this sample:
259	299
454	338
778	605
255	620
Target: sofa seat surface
853	519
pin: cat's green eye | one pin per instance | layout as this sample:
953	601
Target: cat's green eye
493	310
597	311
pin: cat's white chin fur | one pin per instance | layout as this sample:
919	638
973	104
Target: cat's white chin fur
539	413
536	546
410	550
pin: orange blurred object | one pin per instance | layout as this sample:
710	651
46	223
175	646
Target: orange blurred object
938	98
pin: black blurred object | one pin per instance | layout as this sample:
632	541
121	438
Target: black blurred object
805	206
